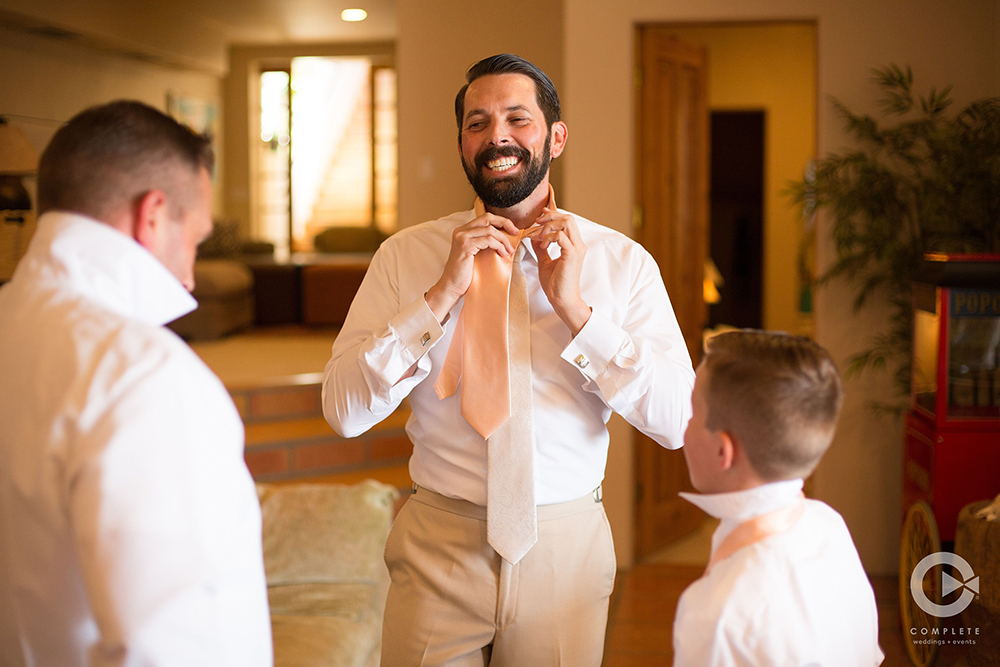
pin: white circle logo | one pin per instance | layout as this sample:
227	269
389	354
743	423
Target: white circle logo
948	584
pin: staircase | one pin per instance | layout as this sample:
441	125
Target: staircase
287	438
345	197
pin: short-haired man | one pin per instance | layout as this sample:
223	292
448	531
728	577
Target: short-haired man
129	524
603	337
784	585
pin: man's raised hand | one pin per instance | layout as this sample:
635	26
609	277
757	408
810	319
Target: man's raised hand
466	242
560	277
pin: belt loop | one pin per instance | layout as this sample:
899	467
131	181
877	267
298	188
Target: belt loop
597	494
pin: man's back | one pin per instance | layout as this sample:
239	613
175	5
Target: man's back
128	524
797	598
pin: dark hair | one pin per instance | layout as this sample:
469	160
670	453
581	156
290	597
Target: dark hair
778	395
508	63
107	156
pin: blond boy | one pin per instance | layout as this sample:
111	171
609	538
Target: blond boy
784	585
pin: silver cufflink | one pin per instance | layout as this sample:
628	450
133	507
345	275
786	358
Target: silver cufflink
581	361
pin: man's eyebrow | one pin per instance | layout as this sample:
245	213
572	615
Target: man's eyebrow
482	112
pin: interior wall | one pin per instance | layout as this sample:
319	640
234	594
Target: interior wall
437	43
770	67
45	82
156	29
945	43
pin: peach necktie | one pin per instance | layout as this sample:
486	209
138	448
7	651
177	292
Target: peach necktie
490	353
758	528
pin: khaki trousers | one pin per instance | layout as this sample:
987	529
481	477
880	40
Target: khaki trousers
453	602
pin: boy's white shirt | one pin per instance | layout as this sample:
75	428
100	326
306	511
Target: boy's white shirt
794	599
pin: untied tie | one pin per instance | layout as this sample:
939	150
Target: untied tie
490	353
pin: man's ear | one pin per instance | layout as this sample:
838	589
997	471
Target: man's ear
559	135
727	451
149	214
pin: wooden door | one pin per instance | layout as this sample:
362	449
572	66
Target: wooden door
672	200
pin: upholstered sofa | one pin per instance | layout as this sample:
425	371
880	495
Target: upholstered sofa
223	285
224	291
326	579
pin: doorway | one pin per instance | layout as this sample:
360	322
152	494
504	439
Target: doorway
736	216
761	90
326	154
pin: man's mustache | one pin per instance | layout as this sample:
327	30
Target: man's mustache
494	152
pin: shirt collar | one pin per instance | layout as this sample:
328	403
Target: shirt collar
478	208
106	266
744	505
529	250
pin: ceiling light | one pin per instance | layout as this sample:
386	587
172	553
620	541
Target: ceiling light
353	15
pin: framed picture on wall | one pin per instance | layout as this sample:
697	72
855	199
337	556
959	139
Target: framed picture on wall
198	114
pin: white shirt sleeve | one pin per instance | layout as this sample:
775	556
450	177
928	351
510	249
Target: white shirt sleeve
166	521
641	369
381	341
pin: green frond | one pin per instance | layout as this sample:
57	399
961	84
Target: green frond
936	102
896	84
918	180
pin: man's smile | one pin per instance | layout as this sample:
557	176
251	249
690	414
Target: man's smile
504	175
503	163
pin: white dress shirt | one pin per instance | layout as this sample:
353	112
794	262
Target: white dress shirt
795	599
130	531
630	358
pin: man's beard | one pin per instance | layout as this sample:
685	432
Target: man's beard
501	192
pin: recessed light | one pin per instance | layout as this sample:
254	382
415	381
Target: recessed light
354	15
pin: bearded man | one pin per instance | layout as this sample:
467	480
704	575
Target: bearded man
470	585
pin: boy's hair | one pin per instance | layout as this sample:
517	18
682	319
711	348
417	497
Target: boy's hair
778	395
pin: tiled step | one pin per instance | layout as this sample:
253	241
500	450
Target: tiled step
287	437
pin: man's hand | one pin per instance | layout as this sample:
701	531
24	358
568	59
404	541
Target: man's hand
560	277
466	242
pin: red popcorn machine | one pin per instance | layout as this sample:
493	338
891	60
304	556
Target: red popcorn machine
951	447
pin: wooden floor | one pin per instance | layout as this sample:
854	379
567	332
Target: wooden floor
642	616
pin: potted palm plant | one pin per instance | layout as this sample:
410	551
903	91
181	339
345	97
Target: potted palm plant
918	180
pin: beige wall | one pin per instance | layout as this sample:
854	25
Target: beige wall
437	43
770	67
158	30
51	81
944	42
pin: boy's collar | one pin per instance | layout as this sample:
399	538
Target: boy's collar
743	505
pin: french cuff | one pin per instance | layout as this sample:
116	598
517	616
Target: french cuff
417	328
589	349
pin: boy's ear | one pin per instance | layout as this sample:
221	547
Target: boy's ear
727	451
